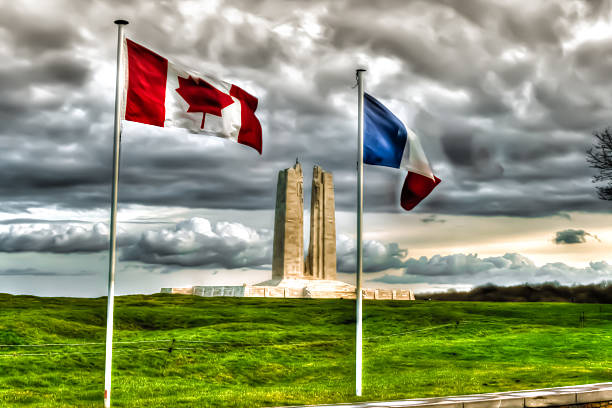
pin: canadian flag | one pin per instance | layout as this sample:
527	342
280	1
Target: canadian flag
160	93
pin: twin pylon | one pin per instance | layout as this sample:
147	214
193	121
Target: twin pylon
288	252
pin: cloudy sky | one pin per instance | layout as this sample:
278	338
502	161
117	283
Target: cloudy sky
504	96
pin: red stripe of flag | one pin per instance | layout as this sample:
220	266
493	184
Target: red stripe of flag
416	187
146	94
250	128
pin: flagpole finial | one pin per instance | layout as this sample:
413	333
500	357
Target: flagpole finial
121	22
358	71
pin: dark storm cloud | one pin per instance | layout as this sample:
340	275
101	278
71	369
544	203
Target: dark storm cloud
443	48
432	219
503	105
265	47
38	272
509	269
50	69
32	35
572	236
37	221
458	148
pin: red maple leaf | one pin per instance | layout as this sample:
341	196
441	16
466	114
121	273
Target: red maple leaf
202	97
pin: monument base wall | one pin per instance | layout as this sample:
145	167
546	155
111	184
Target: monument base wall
296	289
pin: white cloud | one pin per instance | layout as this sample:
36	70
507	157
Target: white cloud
198	242
377	256
57	238
510	269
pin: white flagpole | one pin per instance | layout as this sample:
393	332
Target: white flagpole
113	218
359	326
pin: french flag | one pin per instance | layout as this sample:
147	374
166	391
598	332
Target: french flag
387	142
161	93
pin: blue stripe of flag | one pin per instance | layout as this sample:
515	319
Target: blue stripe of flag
384	135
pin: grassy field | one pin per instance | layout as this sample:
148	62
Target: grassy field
177	350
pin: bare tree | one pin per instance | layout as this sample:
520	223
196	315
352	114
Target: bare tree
599	157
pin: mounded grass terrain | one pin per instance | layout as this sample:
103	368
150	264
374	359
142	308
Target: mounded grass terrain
176	350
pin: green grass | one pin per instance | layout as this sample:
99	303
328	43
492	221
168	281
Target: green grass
249	352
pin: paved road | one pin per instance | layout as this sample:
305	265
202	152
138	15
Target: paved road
546	397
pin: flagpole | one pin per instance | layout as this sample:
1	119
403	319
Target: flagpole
359	298
113	218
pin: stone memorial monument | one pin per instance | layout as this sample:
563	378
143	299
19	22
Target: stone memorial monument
292	275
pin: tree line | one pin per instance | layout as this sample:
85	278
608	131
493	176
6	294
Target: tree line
544	292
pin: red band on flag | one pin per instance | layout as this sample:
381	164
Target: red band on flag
146	93
250	128
416	187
